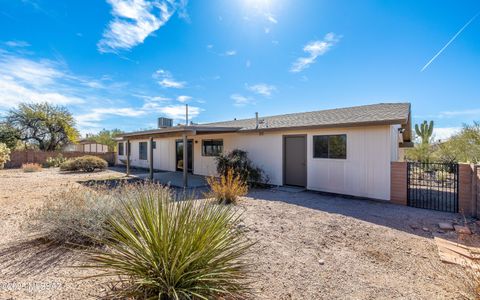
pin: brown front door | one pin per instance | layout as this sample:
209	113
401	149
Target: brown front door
295	164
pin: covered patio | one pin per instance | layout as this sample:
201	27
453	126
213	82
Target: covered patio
178	179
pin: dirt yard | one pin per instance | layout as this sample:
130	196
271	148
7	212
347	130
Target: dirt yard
309	246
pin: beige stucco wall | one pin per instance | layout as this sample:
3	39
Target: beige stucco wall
365	172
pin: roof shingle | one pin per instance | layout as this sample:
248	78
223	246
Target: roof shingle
382	113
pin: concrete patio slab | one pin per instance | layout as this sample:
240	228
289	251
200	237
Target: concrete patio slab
175	179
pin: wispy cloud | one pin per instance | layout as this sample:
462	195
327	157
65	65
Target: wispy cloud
239	100
26	80
449	42
271	18
92	118
134	20
458	113
230	53
166	80
19	44
184	98
315	49
262	89
444	133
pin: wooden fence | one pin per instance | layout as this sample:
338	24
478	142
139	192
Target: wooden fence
17	158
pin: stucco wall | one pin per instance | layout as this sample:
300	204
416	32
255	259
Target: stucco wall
365	172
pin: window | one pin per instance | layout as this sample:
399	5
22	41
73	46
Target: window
143	146
212	147
120	149
330	146
154	145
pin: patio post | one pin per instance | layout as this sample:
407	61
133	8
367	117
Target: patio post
151	158
185	161
127	148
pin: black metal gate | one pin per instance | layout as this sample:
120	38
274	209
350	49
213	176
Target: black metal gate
433	186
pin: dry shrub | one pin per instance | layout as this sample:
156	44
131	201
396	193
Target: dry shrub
77	215
55	162
227	188
31	167
74	215
87	163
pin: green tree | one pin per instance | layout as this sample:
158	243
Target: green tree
107	137
9	135
421	153
462	147
424	131
47	126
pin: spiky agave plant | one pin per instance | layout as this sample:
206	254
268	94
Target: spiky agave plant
163	249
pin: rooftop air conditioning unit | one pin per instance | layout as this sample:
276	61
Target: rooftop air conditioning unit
164	122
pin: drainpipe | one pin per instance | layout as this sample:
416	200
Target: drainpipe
256	120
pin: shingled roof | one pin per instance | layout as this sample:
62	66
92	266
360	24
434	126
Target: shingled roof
382	113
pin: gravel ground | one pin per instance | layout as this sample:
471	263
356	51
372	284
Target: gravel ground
309	246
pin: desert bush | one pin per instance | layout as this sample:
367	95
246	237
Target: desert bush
227	188
87	163
31	167
238	161
158	248
74	215
4	154
55	162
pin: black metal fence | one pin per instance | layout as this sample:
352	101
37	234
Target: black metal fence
433	186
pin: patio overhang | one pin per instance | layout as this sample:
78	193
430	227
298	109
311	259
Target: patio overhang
177	131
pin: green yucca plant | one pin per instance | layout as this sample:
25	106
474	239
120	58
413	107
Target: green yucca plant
158	248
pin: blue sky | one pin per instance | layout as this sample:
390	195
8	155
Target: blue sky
123	63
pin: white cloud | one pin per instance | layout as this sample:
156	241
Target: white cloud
26	80
12	94
183	98
314	49
91	118
230	53
457	113
166	80
443	133
178	111
271	18
134	20
19	44
262	89
239	100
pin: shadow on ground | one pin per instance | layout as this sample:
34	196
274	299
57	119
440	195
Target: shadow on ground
34	257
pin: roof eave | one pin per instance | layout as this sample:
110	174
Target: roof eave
324	126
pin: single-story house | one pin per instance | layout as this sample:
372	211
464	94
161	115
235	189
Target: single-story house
345	150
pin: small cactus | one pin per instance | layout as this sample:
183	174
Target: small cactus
424	131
